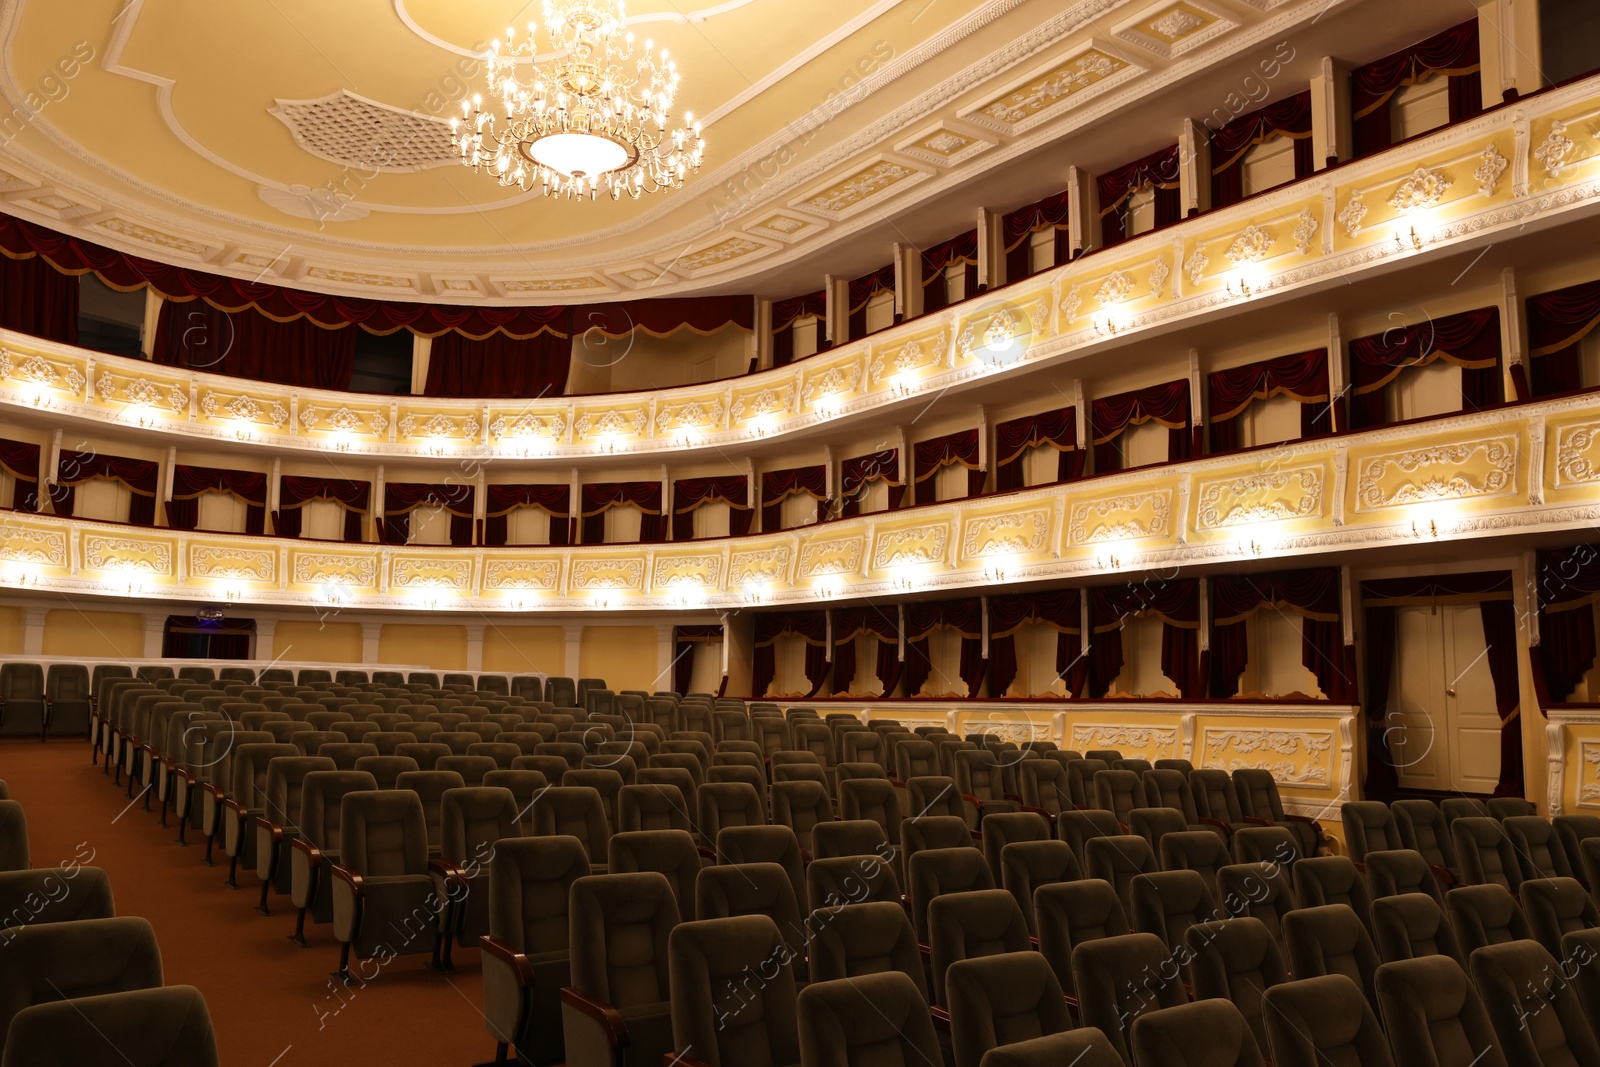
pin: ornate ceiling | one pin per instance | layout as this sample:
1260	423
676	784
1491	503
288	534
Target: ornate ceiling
304	143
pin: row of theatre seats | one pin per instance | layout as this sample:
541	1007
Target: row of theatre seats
794	890
79	985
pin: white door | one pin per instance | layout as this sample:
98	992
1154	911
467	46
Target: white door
1443	730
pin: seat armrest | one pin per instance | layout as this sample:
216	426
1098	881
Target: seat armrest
678	1059
516	961
609	1018
238	809
707	852
452	875
313	853
941	1019
274	831
1444	874
1254	821
1223	825
357	884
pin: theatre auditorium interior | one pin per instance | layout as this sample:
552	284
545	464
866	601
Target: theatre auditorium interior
857	533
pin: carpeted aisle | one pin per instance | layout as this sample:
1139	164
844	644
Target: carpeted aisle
272	1003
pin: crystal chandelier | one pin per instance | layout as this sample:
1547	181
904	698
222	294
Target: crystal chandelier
577	121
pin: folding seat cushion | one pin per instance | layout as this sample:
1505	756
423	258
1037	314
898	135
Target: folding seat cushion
1153	824
21	699
1236	960
13	836
1433	1015
1259	890
1027	865
1084	1047
1484	915
719	1017
1118	980
765	844
1168	903
842	880
1368	827
1207	1033
1486	853
1537	847
936	871
616	1009
383	895
67	694
79	958
1410	925
277	823
1396	871
1322	880
722	804
1072	913
1535	1012
879	1019
1421	826
470	768
1202	851
1118	792
968	925
869	937
1118	860
53	895
167	1027
1080	779
1314	1022
1001	999
1555	907
800	806
576	811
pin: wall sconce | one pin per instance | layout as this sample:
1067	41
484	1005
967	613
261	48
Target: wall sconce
830	405
689	437
233	592
1108	323
1428	530
828	587
754	593
39	397
334	594
601	601
1412	239
21	574
763	425
902	385
1108	561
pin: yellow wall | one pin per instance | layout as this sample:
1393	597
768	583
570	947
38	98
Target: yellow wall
11	627
441	648
309	641
70	632
520	649
625	656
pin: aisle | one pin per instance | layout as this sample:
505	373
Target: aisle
273	1004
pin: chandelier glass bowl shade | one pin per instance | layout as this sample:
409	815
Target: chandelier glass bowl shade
583	117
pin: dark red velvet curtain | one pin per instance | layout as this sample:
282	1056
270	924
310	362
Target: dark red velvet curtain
784	315
857	473
1175	602
1053	212
1311	594
1557	324
850	623
37	299
1057	608
501	366
139	475
1502	640
190	483
930	457
938	259
1471	340
811	627
684	641
665	317
1379	648
1452	53
295	493
862	290
1058	428
689	494
778	486
247	344
1303	377
1569	585
1167	404
400	499
21	461
1290	117
1158	171
504	499
963	616
601	496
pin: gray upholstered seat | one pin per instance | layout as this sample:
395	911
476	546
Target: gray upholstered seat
1411	925
1119	979
1207	1033
54	895
167	1027
719	1017
1313	1022
383	896
84	957
616	1009
849	940
1433	1015
1535	1012
876	1018
1002	999
1237	960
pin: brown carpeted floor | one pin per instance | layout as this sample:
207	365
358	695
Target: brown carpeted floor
272	1003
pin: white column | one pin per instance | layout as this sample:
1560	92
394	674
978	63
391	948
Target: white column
830	314
988	271
51	471
166	485
1330	114
573	662
33	631
371	635
830	473
575	510
984	447
265	628
152	315
155	627
377	506
901	283
274	494
475	646
763	334
1083	218
663	656
480	504
1336	384
1510	54
666	504
751	497
1513	338
1194	167
1196	408
421	352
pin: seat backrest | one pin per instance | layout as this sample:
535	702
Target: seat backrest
1080	779
1214	797
620	924
723	804
881	1019
765	844
1072	913
801	806
1043	784
1535	1012
1316	1021
1259	890
1168	903
1401	870
85	957
1002	828
530	881
1556	907
935	871
1202	851
1027	865
871	798
753	889
166	1027
1118	792
1258	795
1077	828
1486	853
574	811
1421	826
967	925
474	820
870	937
716	1010
670	853
858	837
1433	1015
1484	915
1236	960
914	759
1504	808
1368	827
383	833
1118	860
1331	940
1322	880
1001	999
1207	1032
933	795
1463	808
1537	846
1118	979
1411	925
